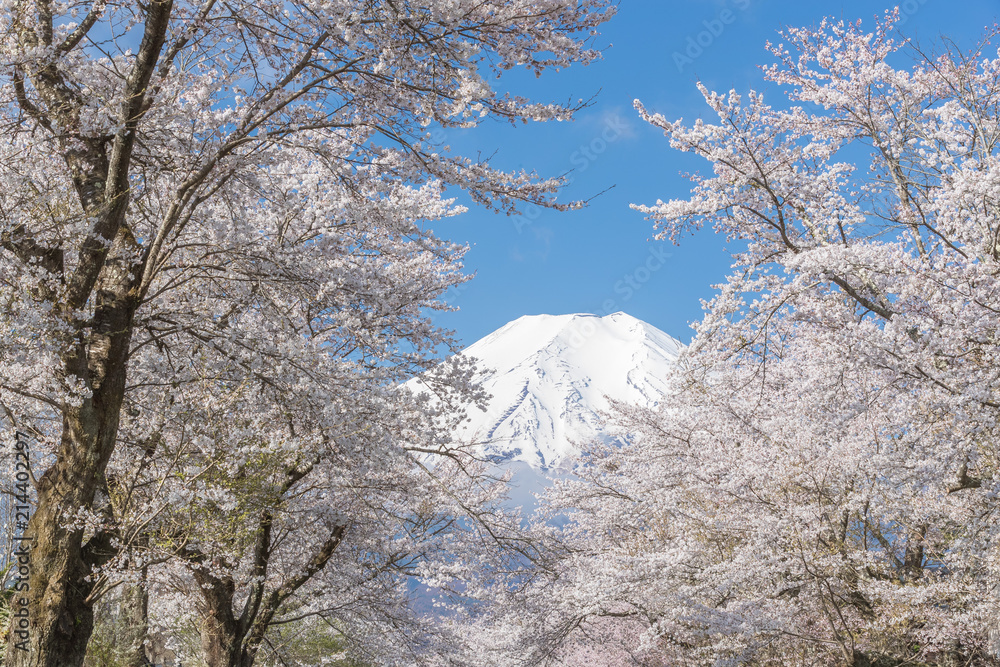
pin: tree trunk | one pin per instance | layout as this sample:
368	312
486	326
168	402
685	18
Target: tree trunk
221	640
60	617
231	641
135	616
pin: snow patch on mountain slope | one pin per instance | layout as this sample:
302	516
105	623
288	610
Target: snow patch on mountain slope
550	376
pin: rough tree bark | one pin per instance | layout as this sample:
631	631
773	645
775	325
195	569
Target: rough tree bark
61	616
135	613
231	638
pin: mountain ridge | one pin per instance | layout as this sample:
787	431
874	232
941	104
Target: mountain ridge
550	377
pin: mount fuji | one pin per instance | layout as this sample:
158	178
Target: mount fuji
550	376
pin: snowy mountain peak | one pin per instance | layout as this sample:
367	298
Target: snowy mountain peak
551	375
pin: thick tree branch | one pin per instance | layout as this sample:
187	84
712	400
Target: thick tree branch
96	10
94	249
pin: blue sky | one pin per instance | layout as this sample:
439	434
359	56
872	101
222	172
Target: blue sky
602	258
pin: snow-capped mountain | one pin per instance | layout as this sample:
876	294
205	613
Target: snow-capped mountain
550	376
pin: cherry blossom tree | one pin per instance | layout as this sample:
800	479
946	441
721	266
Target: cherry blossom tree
207	192
290	532
820	485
